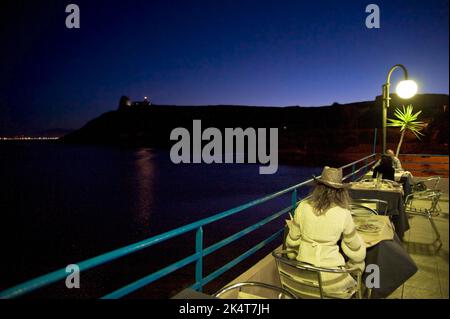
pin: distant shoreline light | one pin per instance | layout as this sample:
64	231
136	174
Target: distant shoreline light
28	138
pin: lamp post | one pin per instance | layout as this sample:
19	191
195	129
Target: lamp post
405	90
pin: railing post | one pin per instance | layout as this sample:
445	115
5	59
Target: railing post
294	201
353	172
199	262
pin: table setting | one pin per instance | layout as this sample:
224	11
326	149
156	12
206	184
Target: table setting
405	178
373	228
378	185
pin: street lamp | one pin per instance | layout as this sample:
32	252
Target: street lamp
406	89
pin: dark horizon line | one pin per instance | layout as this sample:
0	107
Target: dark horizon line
283	106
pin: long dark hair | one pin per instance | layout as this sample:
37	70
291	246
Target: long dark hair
324	197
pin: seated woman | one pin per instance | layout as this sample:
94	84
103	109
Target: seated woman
319	224
386	168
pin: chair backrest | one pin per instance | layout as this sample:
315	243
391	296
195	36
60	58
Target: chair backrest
429	195
369	206
306	281
430	183
254	290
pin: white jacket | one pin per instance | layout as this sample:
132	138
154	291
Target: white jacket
315	238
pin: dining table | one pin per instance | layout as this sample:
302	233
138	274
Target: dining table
388	191
385	251
401	176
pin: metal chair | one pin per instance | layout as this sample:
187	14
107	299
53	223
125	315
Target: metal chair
263	291
305	280
430	184
433	197
365	206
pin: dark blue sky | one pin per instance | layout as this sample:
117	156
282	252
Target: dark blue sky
274	53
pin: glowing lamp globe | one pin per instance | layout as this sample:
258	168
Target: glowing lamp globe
406	89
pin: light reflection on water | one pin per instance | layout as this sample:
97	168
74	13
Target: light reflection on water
145	175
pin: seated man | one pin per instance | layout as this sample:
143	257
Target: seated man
385	168
395	161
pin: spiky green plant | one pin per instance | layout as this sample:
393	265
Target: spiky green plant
407	121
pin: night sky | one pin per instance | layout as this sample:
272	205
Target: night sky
275	53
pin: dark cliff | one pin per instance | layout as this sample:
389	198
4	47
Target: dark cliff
312	131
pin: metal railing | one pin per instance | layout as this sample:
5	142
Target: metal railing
356	168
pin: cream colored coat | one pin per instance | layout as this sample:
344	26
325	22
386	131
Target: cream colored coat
315	239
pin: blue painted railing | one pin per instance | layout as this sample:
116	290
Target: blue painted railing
357	168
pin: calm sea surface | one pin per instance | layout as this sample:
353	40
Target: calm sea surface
61	204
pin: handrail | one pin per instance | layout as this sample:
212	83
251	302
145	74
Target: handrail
357	161
201	280
354	172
